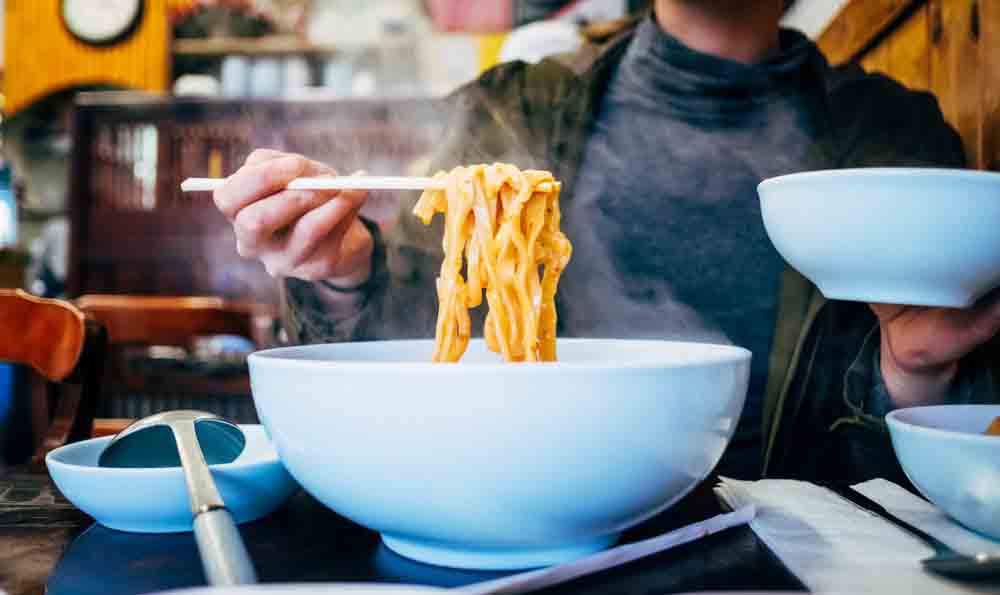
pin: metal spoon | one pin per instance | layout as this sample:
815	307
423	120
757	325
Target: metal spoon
187	439
945	561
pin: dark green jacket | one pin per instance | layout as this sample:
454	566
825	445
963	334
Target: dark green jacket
823	367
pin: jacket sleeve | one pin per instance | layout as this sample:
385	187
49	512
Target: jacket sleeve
877	122
499	117
899	127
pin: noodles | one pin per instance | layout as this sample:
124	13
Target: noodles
503	225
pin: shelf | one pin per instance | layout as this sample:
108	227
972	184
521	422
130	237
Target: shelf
251	46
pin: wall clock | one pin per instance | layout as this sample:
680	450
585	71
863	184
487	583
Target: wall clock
54	45
101	22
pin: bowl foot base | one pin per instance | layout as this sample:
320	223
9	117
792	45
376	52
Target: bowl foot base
443	554
914	296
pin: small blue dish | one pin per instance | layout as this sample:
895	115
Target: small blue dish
946	454
155	499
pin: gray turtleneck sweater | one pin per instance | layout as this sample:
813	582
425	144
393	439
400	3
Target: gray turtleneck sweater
666	208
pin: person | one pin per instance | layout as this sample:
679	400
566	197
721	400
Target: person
660	136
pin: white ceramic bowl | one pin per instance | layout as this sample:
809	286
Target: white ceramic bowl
155	500
947	457
489	465
919	236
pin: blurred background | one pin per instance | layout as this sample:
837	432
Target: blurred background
108	104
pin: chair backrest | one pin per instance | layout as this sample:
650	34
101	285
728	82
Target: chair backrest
142	379
165	320
59	342
47	335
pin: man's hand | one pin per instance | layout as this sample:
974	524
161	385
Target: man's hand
921	346
308	234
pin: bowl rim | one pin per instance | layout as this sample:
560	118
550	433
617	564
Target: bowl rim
726	354
892	419
52	458
879	172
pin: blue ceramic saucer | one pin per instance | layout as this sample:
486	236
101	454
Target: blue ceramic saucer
155	500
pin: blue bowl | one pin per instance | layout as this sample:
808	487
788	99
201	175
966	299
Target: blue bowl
155	500
898	235
946	456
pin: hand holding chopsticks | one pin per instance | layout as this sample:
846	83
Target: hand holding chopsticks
289	212
297	217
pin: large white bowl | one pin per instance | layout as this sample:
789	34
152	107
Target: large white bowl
918	236
947	457
489	465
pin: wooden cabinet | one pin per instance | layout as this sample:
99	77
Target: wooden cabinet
949	47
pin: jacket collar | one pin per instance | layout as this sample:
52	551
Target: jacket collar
574	114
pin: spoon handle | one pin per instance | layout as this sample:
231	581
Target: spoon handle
201	487
224	556
849	493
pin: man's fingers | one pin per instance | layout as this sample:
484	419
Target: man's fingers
257	223
356	198
254	182
262	155
884	311
263	178
315	227
315	269
983	321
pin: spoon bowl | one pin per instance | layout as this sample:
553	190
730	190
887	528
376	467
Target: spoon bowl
149	442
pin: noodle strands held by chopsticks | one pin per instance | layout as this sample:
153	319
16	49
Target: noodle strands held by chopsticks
502	224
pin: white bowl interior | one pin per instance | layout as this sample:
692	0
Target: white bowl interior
604	353
86	453
971	420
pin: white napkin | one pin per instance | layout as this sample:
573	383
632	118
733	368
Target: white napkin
834	546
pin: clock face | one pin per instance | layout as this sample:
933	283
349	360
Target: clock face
101	21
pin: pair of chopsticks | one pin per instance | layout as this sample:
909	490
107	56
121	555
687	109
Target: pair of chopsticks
335	183
329	183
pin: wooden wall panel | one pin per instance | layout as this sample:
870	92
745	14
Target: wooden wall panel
909	50
989	52
956	73
877	59
950	47
857	24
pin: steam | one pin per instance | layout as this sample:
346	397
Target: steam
595	298
601	303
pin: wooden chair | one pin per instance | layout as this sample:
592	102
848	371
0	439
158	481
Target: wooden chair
65	347
134	321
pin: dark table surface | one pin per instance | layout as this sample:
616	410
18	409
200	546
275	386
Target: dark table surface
48	546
